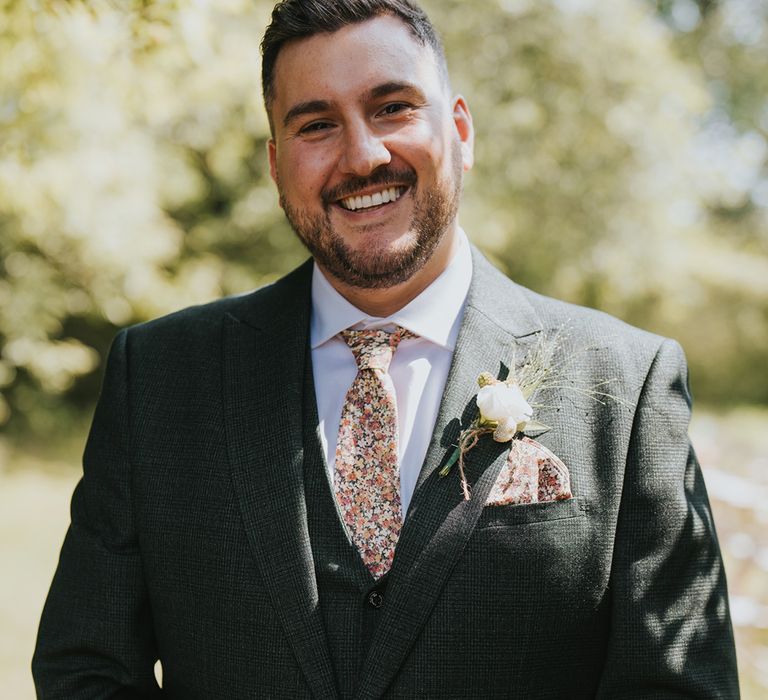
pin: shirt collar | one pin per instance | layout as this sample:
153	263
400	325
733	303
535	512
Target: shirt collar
435	314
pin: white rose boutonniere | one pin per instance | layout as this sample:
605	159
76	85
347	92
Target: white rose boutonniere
504	404
504	411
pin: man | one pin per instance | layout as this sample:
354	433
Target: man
262	506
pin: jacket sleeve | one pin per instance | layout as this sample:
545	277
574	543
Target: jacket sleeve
95	638
671	634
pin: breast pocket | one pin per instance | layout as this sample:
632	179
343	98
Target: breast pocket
534	557
508	516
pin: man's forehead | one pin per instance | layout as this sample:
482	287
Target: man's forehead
354	58
378	32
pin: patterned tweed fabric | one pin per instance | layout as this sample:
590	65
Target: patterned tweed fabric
366	477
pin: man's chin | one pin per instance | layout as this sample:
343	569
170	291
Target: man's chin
375	269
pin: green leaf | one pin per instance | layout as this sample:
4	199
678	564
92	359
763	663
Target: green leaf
454	458
534	428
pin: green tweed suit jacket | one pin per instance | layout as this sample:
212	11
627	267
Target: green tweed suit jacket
189	540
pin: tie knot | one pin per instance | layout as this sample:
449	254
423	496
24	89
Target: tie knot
373	349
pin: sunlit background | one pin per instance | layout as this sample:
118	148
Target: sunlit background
622	163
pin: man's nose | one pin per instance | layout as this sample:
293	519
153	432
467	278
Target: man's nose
364	151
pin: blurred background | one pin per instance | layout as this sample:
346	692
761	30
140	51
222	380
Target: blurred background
622	163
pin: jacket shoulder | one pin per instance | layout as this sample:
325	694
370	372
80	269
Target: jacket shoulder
524	311
201	323
588	321
596	341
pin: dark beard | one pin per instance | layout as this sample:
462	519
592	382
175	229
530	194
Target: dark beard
434	211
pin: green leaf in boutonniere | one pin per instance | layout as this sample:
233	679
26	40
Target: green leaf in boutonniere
535	429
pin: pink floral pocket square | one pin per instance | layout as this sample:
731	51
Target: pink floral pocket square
531	474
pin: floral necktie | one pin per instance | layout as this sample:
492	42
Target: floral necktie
366	476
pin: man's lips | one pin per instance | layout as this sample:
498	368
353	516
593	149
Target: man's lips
373	198
358	194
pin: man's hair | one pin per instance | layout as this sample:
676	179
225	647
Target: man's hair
298	19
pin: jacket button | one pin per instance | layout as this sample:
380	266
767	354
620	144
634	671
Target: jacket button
375	599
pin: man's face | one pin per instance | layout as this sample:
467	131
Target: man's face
369	150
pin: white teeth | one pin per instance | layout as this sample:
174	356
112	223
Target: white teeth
391	194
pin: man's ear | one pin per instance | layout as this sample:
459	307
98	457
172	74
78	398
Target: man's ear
272	155
462	119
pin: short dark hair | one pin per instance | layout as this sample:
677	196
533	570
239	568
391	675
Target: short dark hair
298	19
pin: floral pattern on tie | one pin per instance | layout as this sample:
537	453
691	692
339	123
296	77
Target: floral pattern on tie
366	475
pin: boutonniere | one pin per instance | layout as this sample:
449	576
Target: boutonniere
504	406
504	411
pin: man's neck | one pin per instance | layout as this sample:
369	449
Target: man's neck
386	301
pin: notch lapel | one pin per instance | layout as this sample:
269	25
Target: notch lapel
264	362
498	327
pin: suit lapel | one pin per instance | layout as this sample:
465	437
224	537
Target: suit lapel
264	362
497	329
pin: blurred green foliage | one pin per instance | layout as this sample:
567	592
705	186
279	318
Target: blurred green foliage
621	163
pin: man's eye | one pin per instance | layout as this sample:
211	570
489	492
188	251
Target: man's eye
315	127
394	108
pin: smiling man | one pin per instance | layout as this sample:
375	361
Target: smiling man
368	156
301	492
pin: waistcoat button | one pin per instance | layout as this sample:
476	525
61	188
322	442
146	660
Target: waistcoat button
375	599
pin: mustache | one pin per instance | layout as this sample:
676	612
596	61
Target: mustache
381	177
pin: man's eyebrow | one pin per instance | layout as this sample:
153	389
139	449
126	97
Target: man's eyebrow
310	107
386	89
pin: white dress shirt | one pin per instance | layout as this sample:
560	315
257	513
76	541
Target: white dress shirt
419	367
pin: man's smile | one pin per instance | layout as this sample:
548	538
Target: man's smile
372	199
378	192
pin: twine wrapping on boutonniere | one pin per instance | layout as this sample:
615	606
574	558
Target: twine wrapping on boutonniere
503	404
503	410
